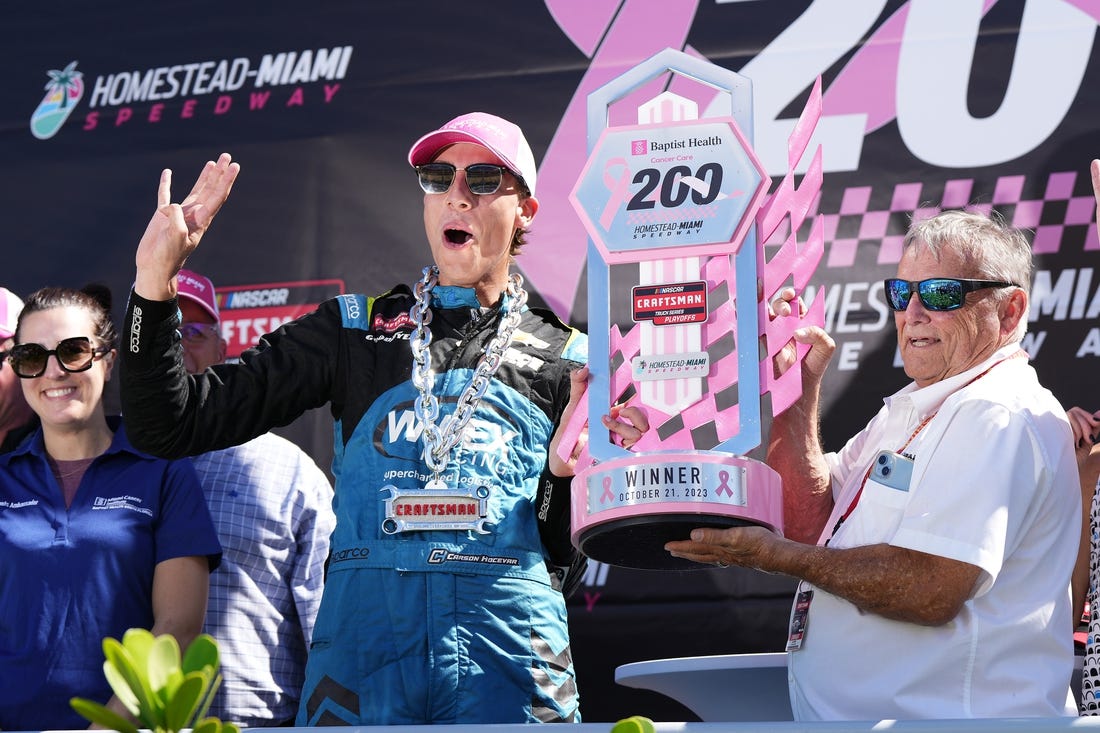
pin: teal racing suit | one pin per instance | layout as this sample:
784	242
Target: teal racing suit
424	626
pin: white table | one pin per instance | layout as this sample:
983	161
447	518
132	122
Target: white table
719	688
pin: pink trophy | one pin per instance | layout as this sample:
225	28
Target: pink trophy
677	211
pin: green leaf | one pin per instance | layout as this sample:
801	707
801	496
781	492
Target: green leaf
164	658
634	724
208	698
162	691
207	725
150	710
181	708
203	652
122	688
96	713
121	675
138	642
175	679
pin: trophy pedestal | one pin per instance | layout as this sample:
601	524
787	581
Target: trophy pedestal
639	542
625	510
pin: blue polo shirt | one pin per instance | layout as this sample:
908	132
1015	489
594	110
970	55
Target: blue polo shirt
70	577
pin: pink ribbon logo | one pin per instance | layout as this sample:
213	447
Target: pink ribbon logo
619	188
724	488
607	495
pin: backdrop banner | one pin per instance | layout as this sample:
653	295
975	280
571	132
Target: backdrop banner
926	104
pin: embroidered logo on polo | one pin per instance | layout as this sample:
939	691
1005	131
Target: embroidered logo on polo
120	502
18	504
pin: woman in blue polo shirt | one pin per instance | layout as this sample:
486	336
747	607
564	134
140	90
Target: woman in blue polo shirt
95	537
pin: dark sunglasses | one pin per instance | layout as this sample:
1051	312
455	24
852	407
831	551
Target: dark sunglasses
481	178
73	355
936	293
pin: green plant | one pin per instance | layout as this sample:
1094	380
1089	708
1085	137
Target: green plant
634	724
150	681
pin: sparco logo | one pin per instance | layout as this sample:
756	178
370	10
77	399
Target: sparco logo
353	553
135	331
351	306
547	496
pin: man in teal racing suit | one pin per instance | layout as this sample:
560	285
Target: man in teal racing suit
443	601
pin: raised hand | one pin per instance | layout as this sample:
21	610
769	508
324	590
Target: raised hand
174	230
626	424
1085	426
822	345
578	384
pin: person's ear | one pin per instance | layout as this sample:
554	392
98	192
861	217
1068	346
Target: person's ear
109	364
1012	309
525	211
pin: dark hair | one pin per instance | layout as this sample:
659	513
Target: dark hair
94	298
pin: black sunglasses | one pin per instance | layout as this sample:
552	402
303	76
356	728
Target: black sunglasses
74	354
936	293
481	178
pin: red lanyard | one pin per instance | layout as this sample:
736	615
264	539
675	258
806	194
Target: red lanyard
924	422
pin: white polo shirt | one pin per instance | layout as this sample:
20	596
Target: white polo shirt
994	484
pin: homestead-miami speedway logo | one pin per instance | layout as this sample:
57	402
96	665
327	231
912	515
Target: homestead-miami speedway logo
189	90
63	91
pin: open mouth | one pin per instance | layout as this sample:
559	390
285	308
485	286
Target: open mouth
457	236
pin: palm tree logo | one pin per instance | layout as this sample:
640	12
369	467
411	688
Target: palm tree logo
63	91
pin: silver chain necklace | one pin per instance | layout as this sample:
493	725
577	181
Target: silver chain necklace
440	439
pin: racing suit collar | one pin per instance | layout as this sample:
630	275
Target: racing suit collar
458	296
454	296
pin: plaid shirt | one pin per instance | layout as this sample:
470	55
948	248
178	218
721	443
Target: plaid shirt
272	507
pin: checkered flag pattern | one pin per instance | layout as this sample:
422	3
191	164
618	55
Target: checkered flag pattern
1062	217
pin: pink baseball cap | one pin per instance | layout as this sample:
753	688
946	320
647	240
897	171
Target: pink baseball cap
10	307
198	289
503	138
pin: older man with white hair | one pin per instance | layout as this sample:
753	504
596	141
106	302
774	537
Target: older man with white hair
942	537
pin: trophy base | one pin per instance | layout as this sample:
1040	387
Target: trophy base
625	510
639	542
